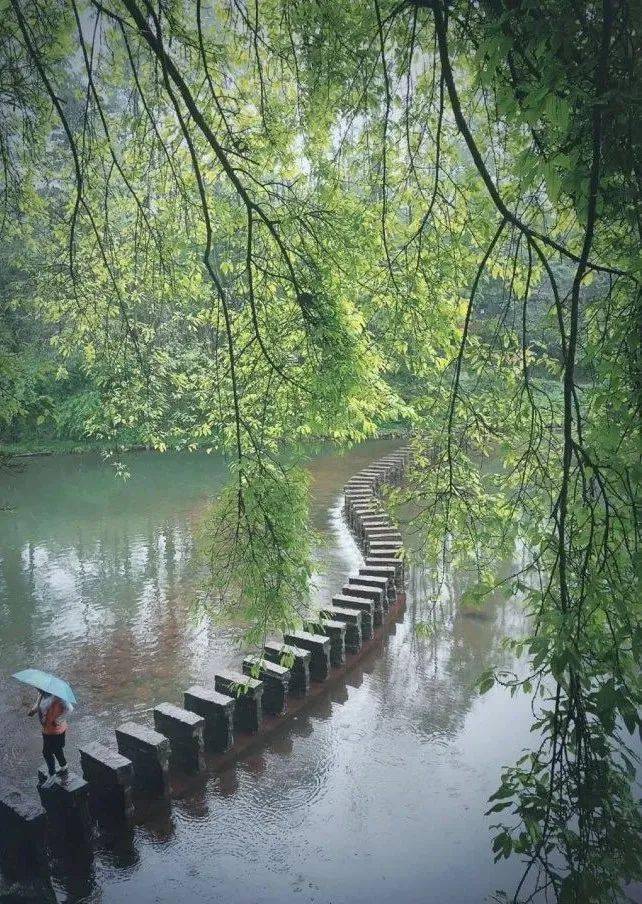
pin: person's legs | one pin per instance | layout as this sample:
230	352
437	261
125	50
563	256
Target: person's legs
58	749
47	753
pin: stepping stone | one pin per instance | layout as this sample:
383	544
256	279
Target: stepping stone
149	752
375	594
247	692
383	583
66	801
23	826
365	606
110	776
319	647
185	730
275	678
218	712
387	546
299	668
336	631
390	561
352	620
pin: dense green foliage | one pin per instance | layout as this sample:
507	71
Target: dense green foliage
252	224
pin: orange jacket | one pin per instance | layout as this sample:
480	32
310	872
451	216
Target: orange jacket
48	718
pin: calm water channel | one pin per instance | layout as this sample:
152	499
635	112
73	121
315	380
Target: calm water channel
375	792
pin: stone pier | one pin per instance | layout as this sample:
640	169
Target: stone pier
149	752
391	561
352	620
66	801
379	570
276	681
23	828
374	594
373	523
319	647
388	535
296	659
336	631
385	548
218	712
110	776
360	509
247	693
184	729
365	606
383	584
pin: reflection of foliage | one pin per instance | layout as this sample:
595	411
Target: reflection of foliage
8	466
258	545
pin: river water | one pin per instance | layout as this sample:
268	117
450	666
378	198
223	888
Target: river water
374	792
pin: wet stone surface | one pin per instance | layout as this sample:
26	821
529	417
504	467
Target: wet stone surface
319	647
276	681
336	631
299	667
217	711
247	693
149	753
364	606
66	801
185	732
110	776
352	619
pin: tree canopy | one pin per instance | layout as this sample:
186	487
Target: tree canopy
256	223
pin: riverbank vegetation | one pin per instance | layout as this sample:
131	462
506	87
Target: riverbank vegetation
252	224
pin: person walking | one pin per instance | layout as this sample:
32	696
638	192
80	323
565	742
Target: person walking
52	713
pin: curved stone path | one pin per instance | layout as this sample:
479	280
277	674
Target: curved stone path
217	724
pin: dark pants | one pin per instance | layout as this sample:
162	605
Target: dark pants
52	746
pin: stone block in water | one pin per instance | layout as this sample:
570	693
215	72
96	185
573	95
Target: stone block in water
299	668
374	522
149	752
374	471
218	712
319	647
368	508
365	606
359	492
374	594
66	801
110	776
362	505
379	569
382	583
276	681
387	536
382	559
247	693
22	832
364	526
387	547
363	509
353	623
184	729
351	503
336	631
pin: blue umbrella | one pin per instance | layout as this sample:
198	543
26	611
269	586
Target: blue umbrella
46	682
